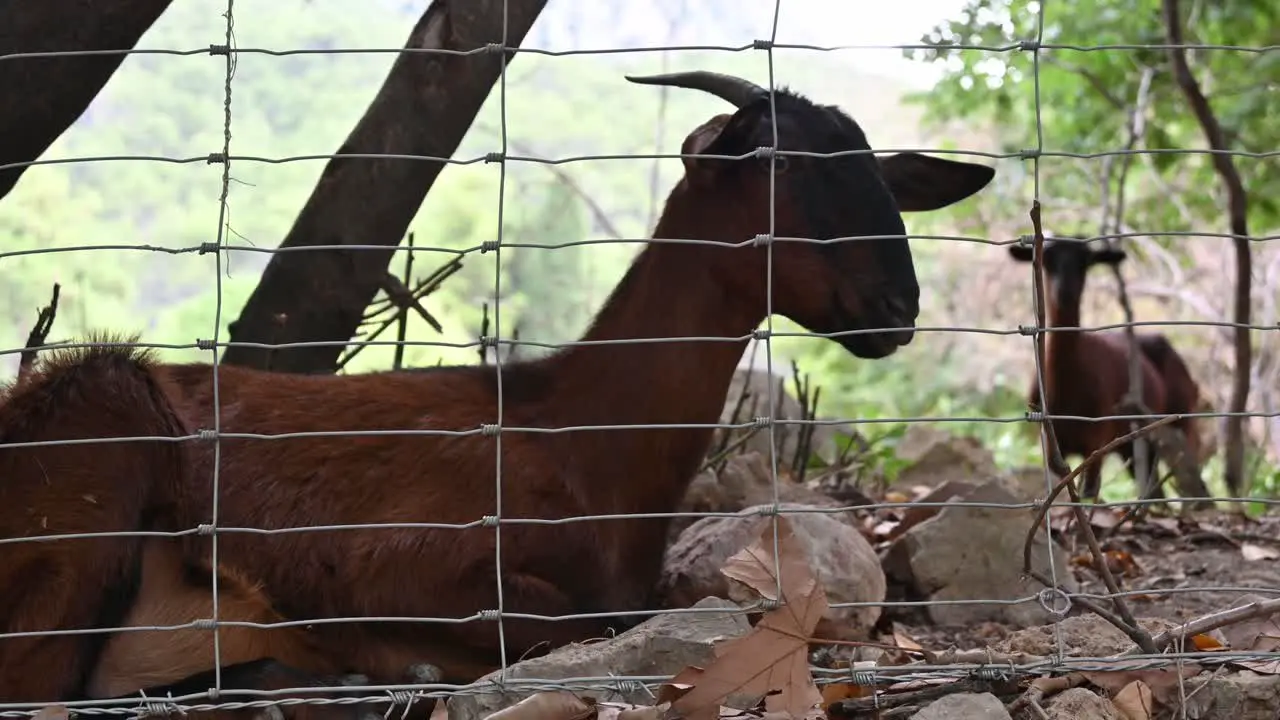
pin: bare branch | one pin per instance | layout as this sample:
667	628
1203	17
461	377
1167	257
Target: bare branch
43	96
1237	201
424	108
39	335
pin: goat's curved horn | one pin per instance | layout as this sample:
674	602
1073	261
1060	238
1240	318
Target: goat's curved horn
733	89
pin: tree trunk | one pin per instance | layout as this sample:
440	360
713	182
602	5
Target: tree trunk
425	107
42	96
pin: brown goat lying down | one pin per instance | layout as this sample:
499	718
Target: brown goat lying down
863	291
1086	374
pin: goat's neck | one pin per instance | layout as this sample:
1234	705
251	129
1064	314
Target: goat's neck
1061	348
666	293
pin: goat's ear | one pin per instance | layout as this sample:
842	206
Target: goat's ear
704	139
1022	253
1108	256
921	182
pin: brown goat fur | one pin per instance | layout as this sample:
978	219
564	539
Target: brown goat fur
82	583
671	290
1087	373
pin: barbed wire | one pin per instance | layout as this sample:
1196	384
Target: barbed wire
395	694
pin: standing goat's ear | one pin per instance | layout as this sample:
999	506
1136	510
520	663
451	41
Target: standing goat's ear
1022	253
706	138
921	182
1108	256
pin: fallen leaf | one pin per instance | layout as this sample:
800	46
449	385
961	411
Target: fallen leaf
1253	552
774	656
439	712
1259	634
677	686
1134	701
1205	642
558	705
1162	683
52	712
627	711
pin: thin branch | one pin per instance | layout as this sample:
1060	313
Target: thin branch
1237	201
39	335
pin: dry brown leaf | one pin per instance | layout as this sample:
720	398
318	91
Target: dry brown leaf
774	656
627	711
1205	642
1134	701
1260	634
557	705
1161	682
439	712
677	686
1252	552
893	496
52	712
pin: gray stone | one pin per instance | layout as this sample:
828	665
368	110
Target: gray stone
975	553
964	706
1245	695
841	559
1080	704
664	645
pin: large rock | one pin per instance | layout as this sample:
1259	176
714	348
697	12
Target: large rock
975	553
1244	695
661	646
1080	704
964	706
841	559
758	385
745	481
934	457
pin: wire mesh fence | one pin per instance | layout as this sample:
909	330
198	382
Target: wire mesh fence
503	430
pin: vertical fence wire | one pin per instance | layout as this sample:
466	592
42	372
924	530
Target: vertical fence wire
497	346
229	40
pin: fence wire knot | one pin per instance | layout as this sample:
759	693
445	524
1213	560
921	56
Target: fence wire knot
489	246
489	429
1049	600
761	240
762	421
864	678
206	434
494	157
208	247
1034	416
216	158
489	521
761	334
761	44
626	687
205	529
205	344
203	624
490	615
1028	329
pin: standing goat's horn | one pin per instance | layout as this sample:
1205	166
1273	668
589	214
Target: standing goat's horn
735	90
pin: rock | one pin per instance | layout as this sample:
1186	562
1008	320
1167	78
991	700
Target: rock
841	558
758	384
935	456
1245	695
1082	636
745	481
964	706
664	645
1080	704
975	553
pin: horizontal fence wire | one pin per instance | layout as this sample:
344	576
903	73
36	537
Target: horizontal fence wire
1053	598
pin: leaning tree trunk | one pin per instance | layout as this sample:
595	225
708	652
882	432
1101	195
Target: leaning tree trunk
425	107
40	97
